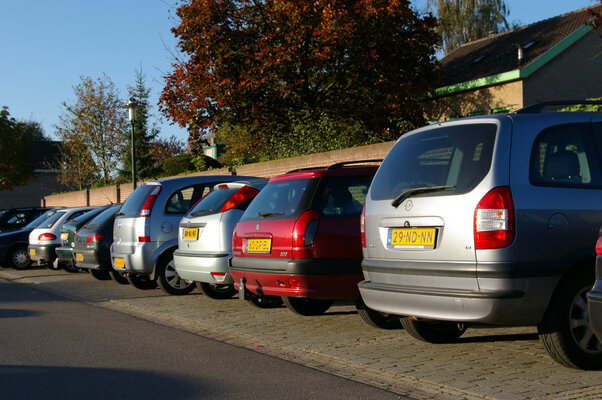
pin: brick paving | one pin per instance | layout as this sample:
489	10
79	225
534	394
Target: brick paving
487	363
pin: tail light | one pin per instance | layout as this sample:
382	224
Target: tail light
494	219
599	246
150	201
95	238
363	226
304	232
242	195
47	236
218	276
144	239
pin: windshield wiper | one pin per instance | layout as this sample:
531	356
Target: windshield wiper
410	192
270	214
201	212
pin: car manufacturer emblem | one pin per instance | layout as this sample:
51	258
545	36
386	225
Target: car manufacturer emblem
409	205
257	227
406	224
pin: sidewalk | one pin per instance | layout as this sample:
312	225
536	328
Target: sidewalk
491	363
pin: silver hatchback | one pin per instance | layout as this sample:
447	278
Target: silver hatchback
205	238
490	220
145	234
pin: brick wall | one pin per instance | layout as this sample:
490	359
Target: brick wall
268	169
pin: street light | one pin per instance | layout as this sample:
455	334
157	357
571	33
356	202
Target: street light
132	105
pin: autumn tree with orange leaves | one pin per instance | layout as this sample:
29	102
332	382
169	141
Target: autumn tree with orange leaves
276	78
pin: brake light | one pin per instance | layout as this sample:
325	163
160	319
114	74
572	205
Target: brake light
95	238
494	219
242	195
218	276
150	201
599	246
47	236
305	230
363	226
144	239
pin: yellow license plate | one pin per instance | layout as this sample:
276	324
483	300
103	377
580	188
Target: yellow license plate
258	246
79	257
32	252
64	236
190	234
417	238
119	263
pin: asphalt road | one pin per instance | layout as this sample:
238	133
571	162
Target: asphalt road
52	347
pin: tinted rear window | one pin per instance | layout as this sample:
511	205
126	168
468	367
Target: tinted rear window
212	202
458	156
281	200
342	196
133	204
51	220
103	216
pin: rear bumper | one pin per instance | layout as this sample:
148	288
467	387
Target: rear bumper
319	278
42	254
198	266
93	259
136	259
64	253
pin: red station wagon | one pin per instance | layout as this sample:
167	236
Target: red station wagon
299	241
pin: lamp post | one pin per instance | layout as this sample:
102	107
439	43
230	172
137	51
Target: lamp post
132	105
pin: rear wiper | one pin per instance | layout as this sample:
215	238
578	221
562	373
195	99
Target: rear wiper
269	214
201	212
410	192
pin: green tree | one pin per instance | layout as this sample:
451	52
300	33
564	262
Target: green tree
463	21
16	139
94	121
144	134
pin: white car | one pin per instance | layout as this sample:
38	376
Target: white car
47	236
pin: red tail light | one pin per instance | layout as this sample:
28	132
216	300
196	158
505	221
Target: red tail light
243	194
599	246
47	236
494	219
304	232
144	238
150	201
95	238
363	226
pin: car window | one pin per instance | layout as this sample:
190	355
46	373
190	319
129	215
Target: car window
565	155
212	202
40	219
182	199
281	200
51	220
341	197
103	216
135	201
15	219
76	214
457	155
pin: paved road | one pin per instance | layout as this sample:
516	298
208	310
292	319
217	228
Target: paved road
496	363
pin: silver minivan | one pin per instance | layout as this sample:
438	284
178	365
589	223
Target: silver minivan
490	220
145	233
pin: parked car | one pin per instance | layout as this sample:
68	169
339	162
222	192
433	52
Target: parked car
13	244
489	220
205	239
45	238
594	296
146	230
64	252
92	246
16	218
299	241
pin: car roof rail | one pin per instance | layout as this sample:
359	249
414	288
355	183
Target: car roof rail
539	107
344	163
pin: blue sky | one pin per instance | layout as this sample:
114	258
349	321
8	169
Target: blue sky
48	44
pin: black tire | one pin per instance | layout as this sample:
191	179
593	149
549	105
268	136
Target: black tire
119	277
69	266
100	274
305	306
377	319
565	331
142	282
169	281
433	331
263	301
215	291
18	258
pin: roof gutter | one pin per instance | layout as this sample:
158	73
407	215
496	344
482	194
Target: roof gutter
517	74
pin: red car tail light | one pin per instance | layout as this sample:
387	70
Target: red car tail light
95	238
144	239
599	246
47	236
363	226
305	230
242	195
494	219
150	201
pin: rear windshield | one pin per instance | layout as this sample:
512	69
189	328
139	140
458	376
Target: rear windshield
212	202
458	156
135	201
281	200
51	220
103	216
40	219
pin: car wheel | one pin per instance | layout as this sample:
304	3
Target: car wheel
119	277
69	266
377	319
142	282
264	301
216	291
305	306
100	274
18	258
169	281
433	331
55	265
565	330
